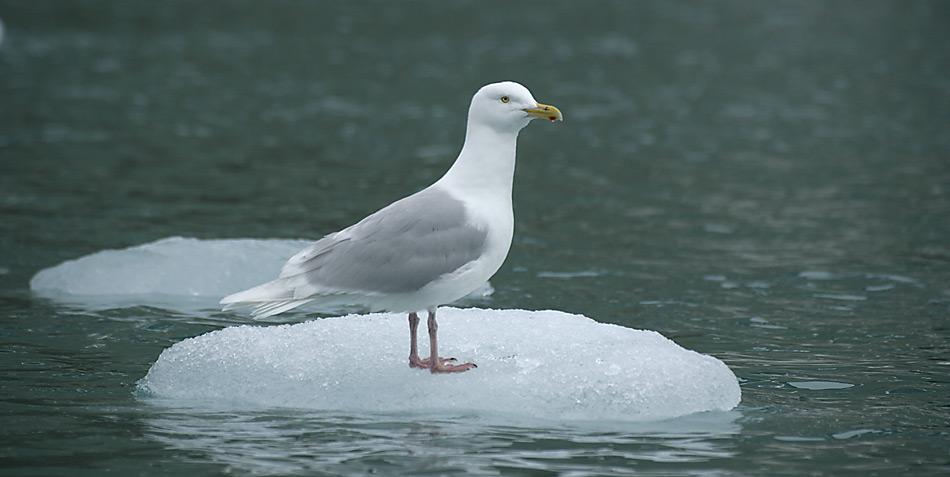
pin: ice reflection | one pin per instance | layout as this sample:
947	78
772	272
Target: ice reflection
291	442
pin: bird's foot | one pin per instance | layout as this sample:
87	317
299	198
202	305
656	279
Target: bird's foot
416	362
451	368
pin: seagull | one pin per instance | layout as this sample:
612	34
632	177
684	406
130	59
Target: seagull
425	250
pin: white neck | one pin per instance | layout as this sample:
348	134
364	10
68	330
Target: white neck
486	163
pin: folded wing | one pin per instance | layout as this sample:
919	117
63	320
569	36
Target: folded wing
399	249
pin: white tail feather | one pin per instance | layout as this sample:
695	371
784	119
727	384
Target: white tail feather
265	300
266	309
276	290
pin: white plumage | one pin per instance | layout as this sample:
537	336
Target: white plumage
425	250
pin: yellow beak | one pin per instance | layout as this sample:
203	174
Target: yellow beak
545	111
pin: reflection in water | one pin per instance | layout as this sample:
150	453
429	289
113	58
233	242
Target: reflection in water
289	442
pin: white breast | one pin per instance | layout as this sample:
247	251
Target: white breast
492	213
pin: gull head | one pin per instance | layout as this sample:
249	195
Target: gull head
508	106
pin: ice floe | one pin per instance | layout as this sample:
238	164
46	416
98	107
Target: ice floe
175	272
545	364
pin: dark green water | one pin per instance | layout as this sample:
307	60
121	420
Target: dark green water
765	182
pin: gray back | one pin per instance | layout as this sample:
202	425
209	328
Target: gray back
398	249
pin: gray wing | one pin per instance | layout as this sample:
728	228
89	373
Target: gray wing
399	249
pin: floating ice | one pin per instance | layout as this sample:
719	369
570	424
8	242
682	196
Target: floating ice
568	275
545	364
841	296
819	385
855	433
170	271
170	266
816	275
892	277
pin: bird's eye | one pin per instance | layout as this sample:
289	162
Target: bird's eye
505	99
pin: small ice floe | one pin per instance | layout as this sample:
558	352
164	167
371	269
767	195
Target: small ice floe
816	275
176	273
171	266
840	296
798	439
718	228
819	385
855	433
568	275
892	278
661	303
760	322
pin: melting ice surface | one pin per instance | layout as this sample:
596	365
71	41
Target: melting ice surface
173	271
544	364
170	266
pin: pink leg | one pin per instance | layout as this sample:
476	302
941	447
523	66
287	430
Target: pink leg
436	364
414	360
